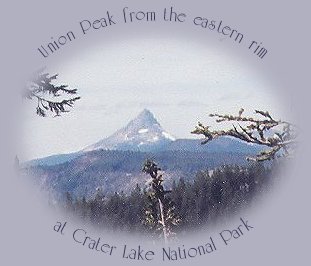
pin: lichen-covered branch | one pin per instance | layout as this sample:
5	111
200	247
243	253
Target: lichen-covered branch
277	135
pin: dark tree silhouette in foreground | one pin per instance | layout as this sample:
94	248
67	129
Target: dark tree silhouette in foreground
209	198
278	136
49	96
159	213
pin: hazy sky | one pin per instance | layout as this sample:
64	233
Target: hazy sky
180	82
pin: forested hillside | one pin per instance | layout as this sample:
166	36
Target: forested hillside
210	197
116	171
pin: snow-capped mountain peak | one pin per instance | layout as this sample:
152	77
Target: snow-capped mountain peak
143	133
145	119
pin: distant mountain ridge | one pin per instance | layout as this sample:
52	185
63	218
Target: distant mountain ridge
116	171
114	164
145	134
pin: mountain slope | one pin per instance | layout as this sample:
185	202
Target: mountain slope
116	171
53	159
144	133
114	164
219	145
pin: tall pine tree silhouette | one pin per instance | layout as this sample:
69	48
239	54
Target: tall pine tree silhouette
160	211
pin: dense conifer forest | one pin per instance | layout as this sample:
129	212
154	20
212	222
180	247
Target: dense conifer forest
210	197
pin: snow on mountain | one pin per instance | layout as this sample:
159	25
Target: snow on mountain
144	133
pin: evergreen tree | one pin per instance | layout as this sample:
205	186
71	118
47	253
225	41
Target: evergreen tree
160	211
69	204
134	210
42	88
211	197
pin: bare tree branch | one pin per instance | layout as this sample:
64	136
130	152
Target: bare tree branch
279	136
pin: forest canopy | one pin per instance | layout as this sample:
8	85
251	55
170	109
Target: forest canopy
209	198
